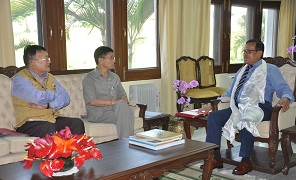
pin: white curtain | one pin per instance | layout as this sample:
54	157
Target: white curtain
287	25
184	31
7	56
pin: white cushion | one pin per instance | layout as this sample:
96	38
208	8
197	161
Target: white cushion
7	116
4	147
12	157
107	129
289	74
136	109
73	84
17	143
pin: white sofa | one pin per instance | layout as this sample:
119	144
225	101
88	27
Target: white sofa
12	147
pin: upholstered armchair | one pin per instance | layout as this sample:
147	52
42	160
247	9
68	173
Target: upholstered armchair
206	75
270	130
188	70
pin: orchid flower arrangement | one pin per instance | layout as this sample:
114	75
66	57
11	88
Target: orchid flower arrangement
55	150
291	49
181	88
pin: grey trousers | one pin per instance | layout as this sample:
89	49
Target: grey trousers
122	116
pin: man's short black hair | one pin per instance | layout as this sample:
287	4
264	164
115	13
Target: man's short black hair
30	51
101	51
259	45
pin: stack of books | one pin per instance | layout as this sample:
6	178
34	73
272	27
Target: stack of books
156	139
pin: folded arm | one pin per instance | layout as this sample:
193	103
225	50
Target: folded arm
23	88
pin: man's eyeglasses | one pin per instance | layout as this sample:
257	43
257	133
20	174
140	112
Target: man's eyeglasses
44	59
106	57
248	51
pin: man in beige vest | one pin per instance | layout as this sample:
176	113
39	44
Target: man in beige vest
37	97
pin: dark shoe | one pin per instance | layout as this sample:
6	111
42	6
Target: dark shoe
216	164
242	168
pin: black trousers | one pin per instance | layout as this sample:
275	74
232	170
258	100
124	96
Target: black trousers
41	128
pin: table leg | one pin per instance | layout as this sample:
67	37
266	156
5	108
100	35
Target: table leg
187	129
286	147
165	125
208	165
148	126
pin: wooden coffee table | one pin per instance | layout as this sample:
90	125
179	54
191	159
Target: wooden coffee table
124	161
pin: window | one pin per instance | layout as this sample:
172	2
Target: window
215	42
24	23
234	22
72	29
141	34
87	27
269	32
242	20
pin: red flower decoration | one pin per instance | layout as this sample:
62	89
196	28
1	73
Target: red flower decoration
52	149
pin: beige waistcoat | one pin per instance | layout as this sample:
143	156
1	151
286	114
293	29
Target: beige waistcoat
21	107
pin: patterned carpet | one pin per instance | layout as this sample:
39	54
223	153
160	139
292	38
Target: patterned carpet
192	171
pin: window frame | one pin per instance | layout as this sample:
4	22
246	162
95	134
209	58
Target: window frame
53	22
225	66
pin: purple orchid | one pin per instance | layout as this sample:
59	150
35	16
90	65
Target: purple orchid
176	84
181	100
188	101
181	88
291	49
193	84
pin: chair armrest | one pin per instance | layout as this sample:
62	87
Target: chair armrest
287	119
143	108
221	103
273	125
214	104
225	99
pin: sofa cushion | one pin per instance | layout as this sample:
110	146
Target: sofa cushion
73	84
138	123
4	147
7	116
17	143
107	129
135	108
289	74
99	129
12	157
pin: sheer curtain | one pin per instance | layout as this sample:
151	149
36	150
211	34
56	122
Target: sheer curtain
184	31
287	25
7	56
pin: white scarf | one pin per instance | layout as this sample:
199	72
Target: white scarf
249	114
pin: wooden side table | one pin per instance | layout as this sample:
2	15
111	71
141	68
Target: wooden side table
196	122
288	135
160	120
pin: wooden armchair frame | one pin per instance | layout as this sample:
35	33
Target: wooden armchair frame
189	69
274	134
